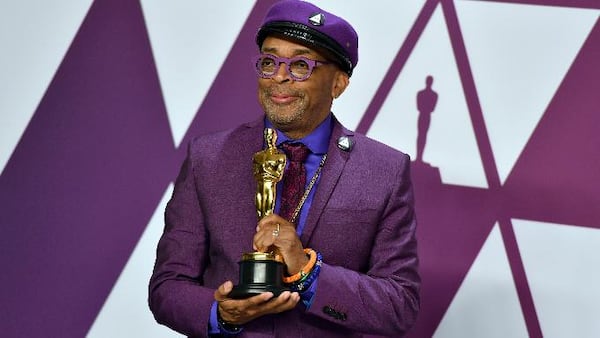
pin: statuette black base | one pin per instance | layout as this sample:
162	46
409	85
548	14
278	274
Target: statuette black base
259	274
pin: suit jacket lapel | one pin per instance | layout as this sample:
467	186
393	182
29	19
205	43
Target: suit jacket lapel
247	140
336	161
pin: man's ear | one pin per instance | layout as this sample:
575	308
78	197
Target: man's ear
340	83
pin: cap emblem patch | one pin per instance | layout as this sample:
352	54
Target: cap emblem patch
317	19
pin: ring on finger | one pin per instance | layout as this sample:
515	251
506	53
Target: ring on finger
276	231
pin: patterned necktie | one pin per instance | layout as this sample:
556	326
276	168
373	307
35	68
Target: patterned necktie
294	178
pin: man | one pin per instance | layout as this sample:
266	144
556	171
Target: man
357	214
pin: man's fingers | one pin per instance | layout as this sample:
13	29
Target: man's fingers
223	290
240	311
240	305
259	299
286	301
245	310
263	240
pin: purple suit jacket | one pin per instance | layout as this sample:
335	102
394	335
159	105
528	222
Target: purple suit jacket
362	220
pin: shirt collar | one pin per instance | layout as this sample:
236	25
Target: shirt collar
317	141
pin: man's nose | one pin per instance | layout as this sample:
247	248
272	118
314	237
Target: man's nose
282	73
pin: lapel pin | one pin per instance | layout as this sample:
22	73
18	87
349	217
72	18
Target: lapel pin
345	143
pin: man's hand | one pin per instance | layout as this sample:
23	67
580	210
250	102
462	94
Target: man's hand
241	311
274	231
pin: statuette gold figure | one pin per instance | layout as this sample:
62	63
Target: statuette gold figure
263	271
269	165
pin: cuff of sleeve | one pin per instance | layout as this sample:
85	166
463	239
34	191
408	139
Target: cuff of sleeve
216	326
225	328
307	297
213	323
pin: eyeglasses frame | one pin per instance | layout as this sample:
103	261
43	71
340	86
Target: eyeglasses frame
312	64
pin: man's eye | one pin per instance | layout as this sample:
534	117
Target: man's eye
300	65
267	62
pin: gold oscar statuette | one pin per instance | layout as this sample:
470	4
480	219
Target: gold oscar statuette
263	271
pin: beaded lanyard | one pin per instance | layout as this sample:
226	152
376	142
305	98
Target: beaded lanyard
307	190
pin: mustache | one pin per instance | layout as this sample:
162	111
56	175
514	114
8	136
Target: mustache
282	91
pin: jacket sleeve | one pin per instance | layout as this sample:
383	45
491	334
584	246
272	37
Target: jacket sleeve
177	297
384	298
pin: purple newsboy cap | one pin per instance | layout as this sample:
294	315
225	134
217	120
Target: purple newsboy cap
314	27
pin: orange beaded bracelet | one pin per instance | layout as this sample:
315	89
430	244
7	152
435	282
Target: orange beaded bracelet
305	269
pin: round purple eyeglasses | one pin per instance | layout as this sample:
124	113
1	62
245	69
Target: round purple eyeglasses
299	68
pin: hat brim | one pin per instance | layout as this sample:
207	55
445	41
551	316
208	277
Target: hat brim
308	36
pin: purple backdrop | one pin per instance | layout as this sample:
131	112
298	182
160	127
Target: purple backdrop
95	159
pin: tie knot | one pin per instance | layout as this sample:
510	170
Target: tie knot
296	152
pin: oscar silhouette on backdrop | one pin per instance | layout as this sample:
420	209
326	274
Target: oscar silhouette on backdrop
426	101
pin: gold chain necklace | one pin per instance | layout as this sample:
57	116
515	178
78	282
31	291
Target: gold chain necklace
307	190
